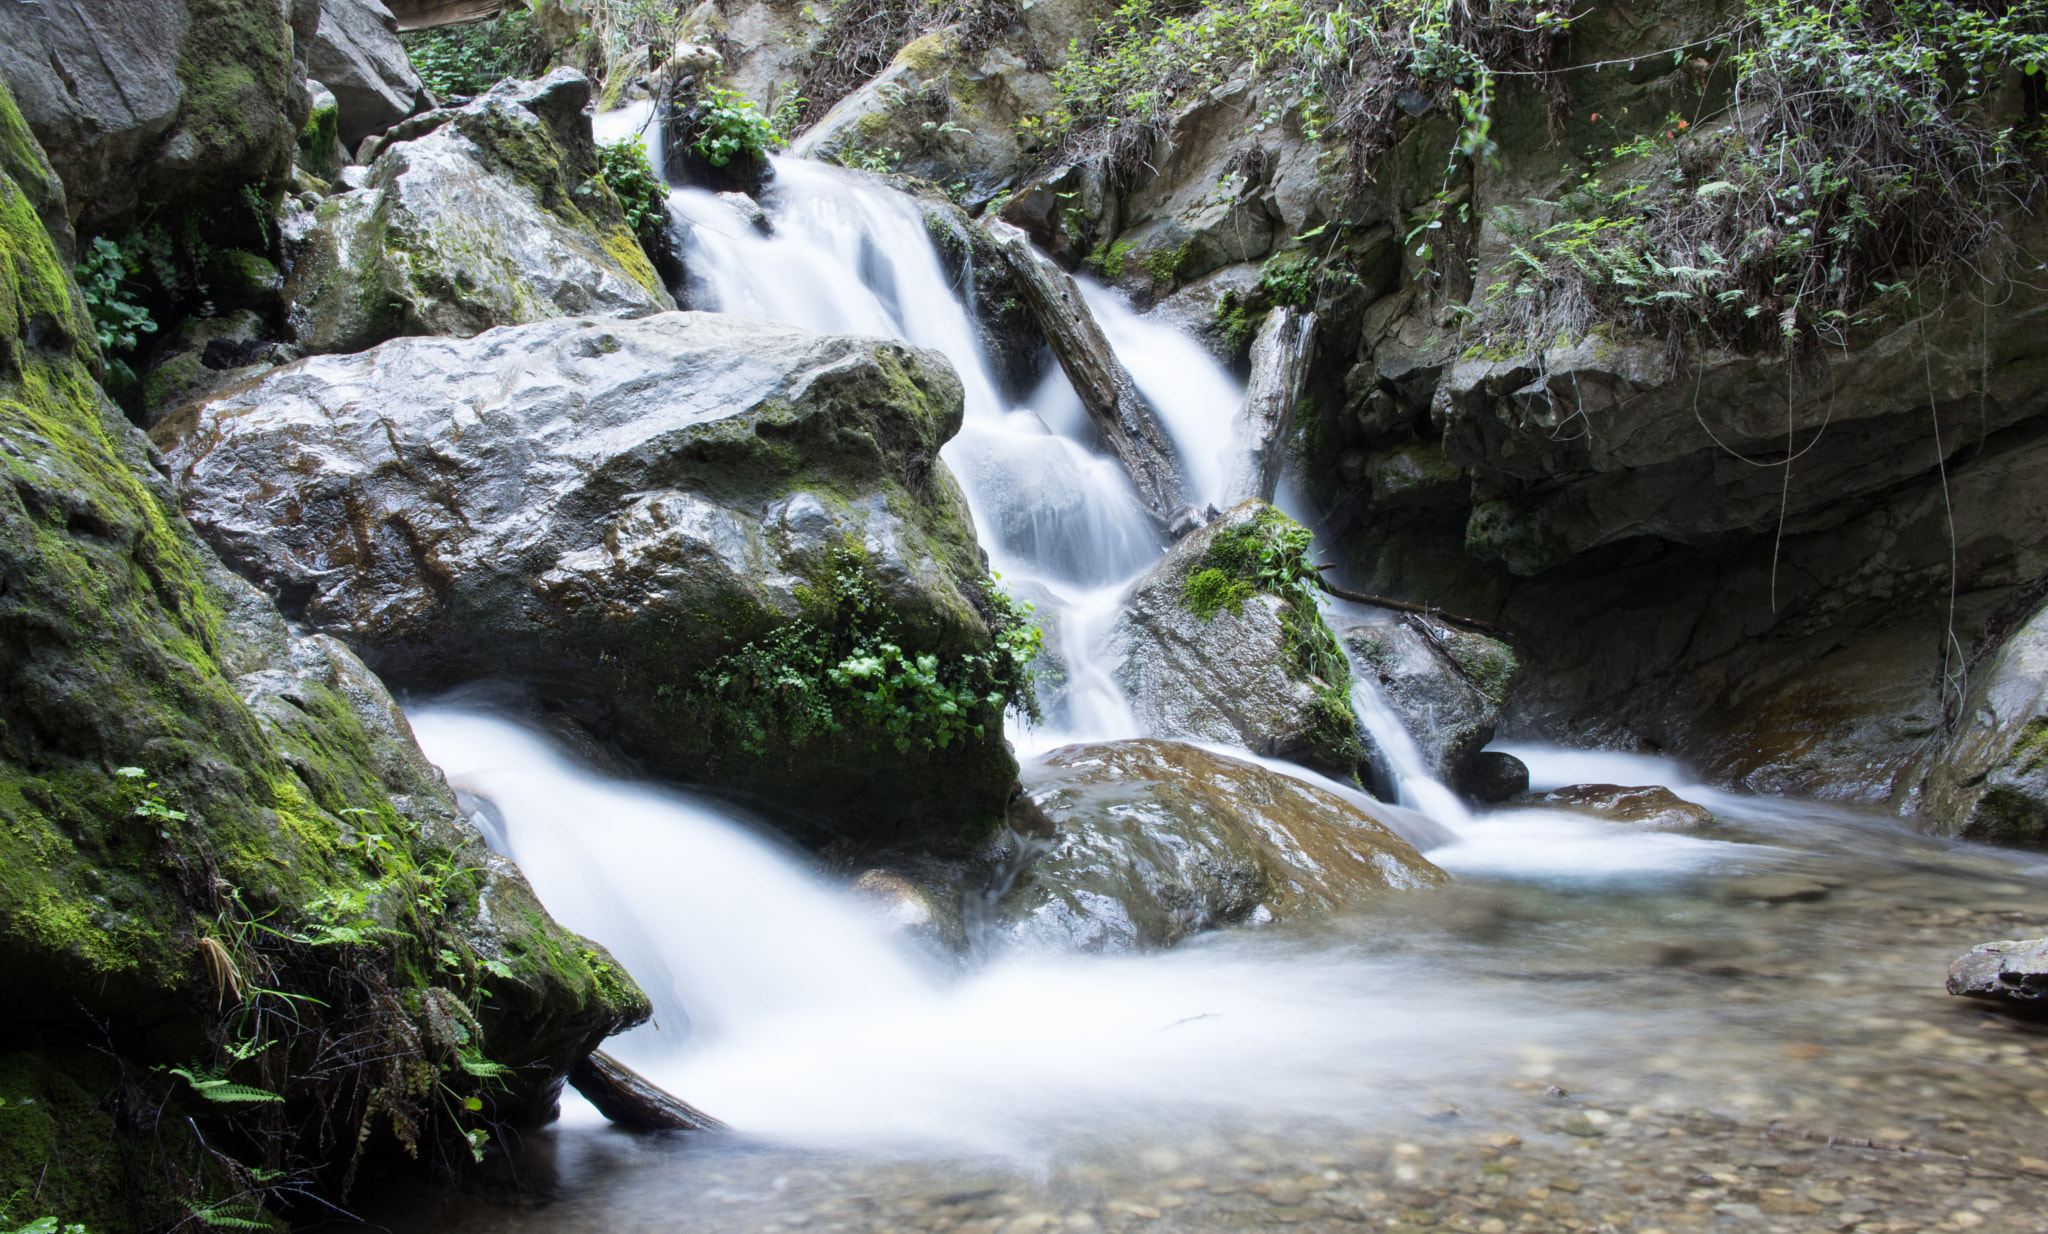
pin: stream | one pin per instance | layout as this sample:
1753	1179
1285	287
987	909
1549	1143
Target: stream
1594	1028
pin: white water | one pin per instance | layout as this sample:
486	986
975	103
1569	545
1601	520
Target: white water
790	1012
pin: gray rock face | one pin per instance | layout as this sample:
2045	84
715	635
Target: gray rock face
1448	686
1990	781
155	100
356	54
1226	678
1151	841
602	510
1491	777
484	216
2012	972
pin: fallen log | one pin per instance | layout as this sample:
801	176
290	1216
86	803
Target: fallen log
1119	412
1281	354
1422	610
629	1099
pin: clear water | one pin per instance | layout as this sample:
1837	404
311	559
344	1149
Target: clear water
1595	1028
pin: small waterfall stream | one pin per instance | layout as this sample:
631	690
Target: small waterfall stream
799	1018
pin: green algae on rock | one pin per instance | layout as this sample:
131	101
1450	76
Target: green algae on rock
608	510
175	768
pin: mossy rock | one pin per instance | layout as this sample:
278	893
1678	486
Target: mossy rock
704	489
175	765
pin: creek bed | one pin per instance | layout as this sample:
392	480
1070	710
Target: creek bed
1740	1032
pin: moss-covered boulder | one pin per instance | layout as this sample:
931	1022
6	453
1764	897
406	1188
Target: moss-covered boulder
1147	842
178	102
488	215
220	851
727	544
1222	641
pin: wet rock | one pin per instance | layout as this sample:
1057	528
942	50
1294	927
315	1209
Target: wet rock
484	216
1773	889
1649	808
893	899
206	354
1228	674
947	107
1990	780
604	510
1491	777
1009	333
2012	972
1156	840
162	101
1448	686
1203	309
356	54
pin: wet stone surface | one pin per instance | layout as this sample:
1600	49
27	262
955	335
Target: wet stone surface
1737	1062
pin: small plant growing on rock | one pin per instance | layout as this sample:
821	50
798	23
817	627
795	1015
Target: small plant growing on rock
118	320
632	179
728	128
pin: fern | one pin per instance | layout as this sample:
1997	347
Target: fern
214	1088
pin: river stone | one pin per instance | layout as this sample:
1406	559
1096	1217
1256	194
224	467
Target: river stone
356	54
1229	679
602	510
1648	808
1990	780
158	101
1448	686
2012	972
493	215
1492	776
1153	841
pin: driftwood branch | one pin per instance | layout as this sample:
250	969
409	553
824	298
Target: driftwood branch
1422	610
1119	412
1281	355
627	1098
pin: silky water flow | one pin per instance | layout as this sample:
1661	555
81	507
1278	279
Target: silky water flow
1586	1003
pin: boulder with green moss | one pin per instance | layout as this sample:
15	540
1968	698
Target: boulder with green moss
1222	641
167	102
223	855
1143	843
487	215
728	545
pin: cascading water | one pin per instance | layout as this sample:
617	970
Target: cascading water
799	1017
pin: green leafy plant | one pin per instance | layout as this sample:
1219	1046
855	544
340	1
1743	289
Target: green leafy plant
642	193
465	60
48	1225
215	1088
118	320
726	127
811	678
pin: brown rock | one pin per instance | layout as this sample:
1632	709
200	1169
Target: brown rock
1651	807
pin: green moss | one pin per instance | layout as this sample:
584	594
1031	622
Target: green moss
927	53
236	74
1211	591
1111	260
1165	265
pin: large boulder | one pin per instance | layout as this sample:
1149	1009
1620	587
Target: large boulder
159	101
487	215
1146	842
945	109
1447	685
680	527
1204	654
356	54
179	767
1990	779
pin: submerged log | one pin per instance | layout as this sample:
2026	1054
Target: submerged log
627	1098
1281	354
1119	412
